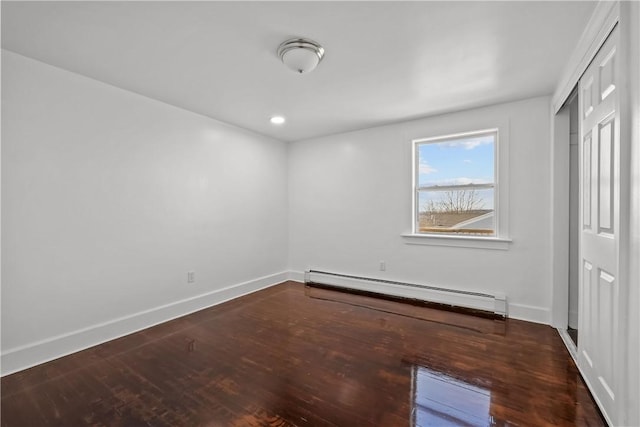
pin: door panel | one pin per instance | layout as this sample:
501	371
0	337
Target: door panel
606	294
586	318
607	71
586	182
599	236
605	181
587	97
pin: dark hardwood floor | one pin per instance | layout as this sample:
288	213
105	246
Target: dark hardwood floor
291	355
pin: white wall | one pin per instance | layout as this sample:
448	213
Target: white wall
109	198
350	201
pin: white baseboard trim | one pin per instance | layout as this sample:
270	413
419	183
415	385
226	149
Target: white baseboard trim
515	311
569	344
296	276
23	357
530	313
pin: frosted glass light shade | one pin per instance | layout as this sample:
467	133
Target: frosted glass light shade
301	55
300	60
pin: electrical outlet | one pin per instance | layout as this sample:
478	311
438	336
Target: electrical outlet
383	266
191	276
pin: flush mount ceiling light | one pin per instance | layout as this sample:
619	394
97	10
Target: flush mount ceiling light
301	55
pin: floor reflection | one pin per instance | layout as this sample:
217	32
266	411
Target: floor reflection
410	308
441	400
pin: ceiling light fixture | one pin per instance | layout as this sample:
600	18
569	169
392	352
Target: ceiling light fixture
301	55
277	120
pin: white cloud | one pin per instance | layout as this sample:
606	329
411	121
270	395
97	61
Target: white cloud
467	161
470	143
425	168
459	181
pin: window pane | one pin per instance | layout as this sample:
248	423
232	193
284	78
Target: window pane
457	161
462	211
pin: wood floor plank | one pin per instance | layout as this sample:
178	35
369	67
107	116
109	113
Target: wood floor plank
290	356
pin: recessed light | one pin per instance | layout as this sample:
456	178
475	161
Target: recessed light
277	120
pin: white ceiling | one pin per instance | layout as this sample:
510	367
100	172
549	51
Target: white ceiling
385	61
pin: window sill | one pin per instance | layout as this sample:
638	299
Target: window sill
496	243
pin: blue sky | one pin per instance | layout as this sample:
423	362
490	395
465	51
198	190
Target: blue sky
460	161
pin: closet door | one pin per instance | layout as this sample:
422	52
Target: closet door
600	342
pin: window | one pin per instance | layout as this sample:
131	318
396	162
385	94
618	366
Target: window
455	188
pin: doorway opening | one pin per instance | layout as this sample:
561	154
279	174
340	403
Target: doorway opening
574	216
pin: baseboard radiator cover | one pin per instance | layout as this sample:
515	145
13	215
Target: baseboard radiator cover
494	302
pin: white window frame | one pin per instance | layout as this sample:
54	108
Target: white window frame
500	240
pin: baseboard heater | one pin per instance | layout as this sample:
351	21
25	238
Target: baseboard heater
495	303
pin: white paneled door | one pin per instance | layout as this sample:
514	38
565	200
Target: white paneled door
599	346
